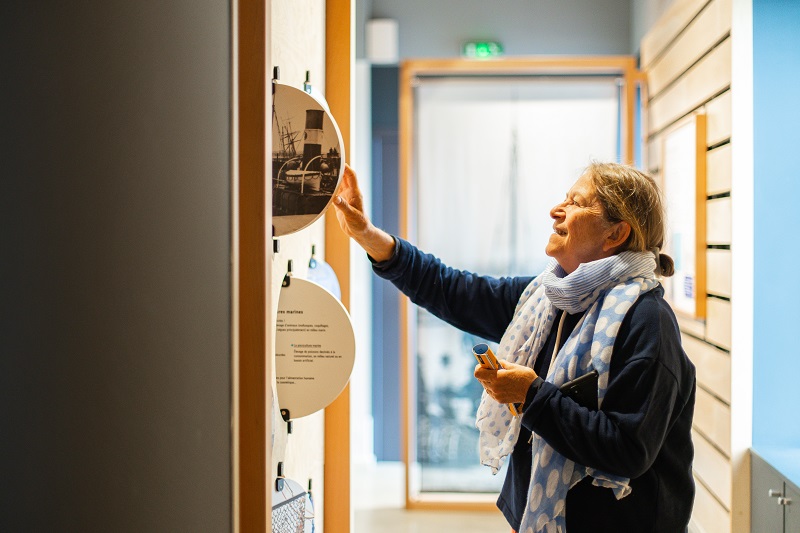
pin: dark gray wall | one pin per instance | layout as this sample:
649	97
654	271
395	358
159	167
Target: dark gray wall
524	27
115	279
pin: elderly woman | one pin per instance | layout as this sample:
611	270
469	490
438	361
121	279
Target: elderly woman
620	464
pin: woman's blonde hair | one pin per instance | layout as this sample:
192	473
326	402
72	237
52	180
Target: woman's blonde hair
629	195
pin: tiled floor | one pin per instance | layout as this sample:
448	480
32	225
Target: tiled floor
378	504
378	494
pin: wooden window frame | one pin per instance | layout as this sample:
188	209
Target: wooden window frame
411	70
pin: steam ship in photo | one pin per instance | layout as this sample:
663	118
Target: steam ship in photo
306	165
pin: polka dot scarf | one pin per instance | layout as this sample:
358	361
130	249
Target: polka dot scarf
605	290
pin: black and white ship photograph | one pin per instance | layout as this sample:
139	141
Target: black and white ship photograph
306	159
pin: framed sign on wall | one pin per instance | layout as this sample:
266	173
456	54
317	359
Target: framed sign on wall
684	183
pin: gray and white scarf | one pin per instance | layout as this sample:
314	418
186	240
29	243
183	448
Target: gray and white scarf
605	289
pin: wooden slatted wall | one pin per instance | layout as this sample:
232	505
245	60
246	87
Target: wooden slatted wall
686	57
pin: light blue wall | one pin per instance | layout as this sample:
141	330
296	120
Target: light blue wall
776	345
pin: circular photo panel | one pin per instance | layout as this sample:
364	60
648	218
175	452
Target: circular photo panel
315	348
307	159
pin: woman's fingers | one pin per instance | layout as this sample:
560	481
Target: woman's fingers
349	193
349	177
507	385
349	188
349	204
353	218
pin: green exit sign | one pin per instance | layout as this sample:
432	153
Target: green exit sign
482	49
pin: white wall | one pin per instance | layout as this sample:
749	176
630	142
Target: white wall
524	27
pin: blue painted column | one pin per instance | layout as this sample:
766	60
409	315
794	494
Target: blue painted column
776	110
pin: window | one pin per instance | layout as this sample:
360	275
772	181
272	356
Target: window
491	155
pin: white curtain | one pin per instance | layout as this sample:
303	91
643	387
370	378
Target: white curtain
489	151
492	157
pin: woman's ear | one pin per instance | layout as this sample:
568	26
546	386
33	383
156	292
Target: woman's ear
618	234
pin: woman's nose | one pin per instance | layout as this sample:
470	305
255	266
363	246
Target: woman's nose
557	211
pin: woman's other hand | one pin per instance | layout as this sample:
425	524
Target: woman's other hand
349	204
508	384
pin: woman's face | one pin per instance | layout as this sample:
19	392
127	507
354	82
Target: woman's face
580	229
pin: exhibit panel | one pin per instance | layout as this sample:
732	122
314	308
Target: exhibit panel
307	158
311	50
298	50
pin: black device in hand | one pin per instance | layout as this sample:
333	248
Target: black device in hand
583	389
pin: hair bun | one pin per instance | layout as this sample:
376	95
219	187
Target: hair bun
666	265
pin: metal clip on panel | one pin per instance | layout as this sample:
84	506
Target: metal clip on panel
287	279
279	483
287	418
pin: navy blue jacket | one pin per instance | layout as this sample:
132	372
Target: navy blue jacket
643	430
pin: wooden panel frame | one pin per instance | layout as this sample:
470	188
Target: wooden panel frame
718	111
718	221
712	417
719	170
713	366
691	326
708	513
410	71
339	72
664	32
710	26
709	77
718	323
713	468
252	397
653	159
718	267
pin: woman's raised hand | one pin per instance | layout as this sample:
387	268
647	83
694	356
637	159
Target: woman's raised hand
349	204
